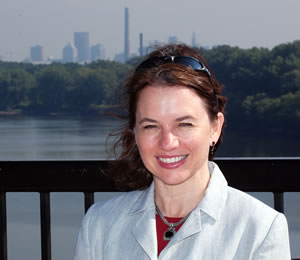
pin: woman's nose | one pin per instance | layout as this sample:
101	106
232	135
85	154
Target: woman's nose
168	140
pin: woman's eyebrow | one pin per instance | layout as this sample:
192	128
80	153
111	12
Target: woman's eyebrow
145	119
184	118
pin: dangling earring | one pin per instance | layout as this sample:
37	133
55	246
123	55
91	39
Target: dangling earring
212	148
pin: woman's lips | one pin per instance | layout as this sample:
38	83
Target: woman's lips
171	162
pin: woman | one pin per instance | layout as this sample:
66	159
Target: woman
182	207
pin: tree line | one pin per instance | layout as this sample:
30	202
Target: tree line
262	86
60	88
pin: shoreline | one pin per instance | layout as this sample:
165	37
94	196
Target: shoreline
10	113
101	110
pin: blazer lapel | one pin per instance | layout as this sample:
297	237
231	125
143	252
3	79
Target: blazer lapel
144	231
191	227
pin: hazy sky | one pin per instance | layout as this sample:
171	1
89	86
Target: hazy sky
51	23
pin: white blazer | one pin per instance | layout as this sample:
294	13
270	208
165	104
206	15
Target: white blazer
227	224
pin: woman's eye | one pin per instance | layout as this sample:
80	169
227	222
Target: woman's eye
185	124
149	126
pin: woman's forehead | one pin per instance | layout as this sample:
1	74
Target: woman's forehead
169	101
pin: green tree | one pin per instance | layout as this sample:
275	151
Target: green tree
15	86
52	84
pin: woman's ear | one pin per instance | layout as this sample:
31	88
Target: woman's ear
217	127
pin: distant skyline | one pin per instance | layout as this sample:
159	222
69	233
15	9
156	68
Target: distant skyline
51	24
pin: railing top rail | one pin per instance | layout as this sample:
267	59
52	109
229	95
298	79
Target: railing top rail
248	174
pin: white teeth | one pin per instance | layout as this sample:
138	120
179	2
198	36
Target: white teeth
172	160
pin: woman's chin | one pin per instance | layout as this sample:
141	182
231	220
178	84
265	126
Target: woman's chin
171	178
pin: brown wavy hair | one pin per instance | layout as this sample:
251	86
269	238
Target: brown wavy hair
129	171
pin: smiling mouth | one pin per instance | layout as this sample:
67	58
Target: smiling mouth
173	159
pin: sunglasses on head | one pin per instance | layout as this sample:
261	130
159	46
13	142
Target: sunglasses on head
182	60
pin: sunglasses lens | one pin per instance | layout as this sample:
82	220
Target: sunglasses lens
150	63
189	62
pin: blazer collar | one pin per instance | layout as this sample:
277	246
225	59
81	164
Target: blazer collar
144	201
215	196
211	204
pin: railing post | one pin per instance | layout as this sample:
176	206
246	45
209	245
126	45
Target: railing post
45	225
3	226
89	199
279	201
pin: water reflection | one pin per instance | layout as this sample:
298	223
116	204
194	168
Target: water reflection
25	138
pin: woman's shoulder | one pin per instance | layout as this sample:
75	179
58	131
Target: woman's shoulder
238	203
105	216
245	200
252	211
120	203
257	223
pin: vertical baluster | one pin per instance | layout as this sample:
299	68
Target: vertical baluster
279	201
3	226
45	225
89	199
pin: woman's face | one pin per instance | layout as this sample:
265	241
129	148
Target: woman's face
173	133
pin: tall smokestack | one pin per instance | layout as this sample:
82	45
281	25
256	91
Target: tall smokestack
194	43
141	45
126	38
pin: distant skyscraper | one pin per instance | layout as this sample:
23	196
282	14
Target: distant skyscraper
69	53
126	38
194	42
97	52
141	45
82	43
172	39
151	46
119	57
37	53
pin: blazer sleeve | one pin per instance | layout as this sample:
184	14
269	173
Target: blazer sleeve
82	249
276	243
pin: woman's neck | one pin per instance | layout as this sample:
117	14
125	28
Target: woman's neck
179	200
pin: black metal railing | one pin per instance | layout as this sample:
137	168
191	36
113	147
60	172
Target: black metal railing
276	175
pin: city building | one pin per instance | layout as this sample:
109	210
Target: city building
151	47
37	53
172	40
194	42
97	52
126	36
69	53
119	57
141	49
82	43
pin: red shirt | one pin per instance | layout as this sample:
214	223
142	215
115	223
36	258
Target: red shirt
161	227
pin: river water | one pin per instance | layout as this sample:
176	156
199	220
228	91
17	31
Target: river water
78	138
